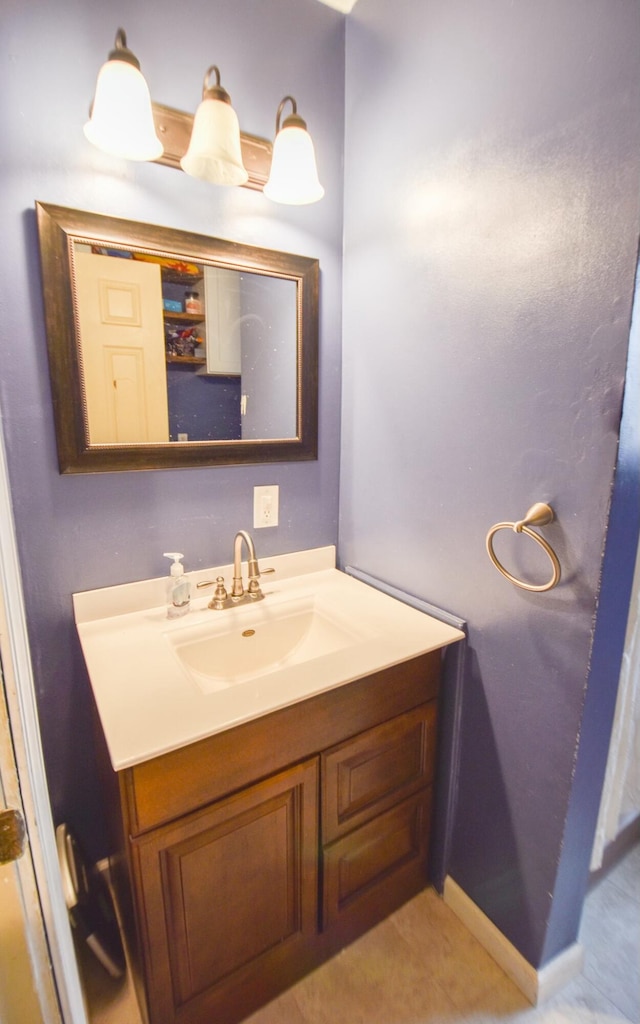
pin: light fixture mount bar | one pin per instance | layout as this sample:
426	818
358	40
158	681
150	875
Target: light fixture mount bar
174	129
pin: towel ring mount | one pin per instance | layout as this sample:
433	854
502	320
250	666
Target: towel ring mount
539	514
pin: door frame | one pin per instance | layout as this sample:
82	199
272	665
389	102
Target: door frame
27	746
29	986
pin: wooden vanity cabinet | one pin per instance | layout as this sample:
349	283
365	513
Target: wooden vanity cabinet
257	853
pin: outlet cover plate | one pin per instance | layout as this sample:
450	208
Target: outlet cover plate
265	506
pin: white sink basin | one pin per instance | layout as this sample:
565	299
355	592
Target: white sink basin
160	684
251	641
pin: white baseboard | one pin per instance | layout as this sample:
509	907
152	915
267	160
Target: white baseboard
537	984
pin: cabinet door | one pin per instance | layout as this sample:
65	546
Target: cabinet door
377	769
227	901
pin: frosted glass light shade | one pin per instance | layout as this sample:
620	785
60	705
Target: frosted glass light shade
293	178
214	151
121	118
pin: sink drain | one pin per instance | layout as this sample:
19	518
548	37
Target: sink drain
248	632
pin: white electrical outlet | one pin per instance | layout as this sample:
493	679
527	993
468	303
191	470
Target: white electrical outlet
265	506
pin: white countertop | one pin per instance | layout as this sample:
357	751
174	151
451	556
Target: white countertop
150	704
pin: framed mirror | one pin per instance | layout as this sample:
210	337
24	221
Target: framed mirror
169	349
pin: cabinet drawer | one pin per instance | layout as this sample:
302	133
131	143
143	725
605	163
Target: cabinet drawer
374	869
378	768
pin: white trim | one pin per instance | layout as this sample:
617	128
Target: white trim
30	762
560	971
620	799
537	985
21	900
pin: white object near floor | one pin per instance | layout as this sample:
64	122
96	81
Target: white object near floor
621	792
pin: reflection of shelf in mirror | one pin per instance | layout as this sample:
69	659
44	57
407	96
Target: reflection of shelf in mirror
183	318
187	359
173	276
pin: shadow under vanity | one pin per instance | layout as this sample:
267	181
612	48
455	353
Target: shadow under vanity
275	820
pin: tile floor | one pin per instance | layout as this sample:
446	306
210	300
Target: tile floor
421	966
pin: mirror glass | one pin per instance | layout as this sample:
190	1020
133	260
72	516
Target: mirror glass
173	349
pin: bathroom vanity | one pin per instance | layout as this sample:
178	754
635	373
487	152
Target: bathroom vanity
291	819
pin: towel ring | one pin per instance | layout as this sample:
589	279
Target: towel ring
538	515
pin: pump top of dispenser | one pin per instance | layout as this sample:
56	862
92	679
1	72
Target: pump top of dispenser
177	568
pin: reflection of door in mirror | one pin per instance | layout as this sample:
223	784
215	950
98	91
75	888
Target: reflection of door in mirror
158	368
269	357
222	296
119	306
140	372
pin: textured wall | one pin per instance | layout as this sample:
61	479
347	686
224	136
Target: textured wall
491	230
606	657
80	532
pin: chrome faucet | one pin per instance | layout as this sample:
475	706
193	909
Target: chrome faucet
221	598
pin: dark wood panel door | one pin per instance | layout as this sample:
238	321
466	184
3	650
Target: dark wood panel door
229	901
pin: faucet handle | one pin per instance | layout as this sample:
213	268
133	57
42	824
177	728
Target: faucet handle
255	572
219	598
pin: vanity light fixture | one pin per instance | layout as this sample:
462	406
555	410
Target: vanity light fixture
293	178
214	149
125	122
121	121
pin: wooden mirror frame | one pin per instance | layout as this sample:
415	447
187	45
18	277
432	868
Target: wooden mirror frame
58	229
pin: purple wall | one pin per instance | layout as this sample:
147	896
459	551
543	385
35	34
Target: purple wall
81	532
491	232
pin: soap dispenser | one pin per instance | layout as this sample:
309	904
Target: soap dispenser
178	587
